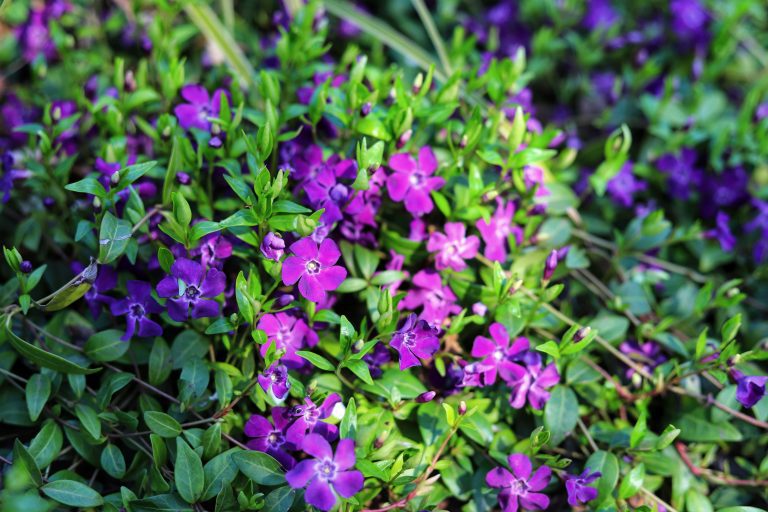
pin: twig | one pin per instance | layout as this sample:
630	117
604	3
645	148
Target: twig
714	476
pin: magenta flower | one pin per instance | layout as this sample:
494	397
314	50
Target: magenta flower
314	268
273	246
529	383
577	487
325	191
497	352
496	232
213	249
136	306
415	340
270	439
199	107
275	380
327	475
412	181
190	288
519	489
289	333
453	247
437	300
307	419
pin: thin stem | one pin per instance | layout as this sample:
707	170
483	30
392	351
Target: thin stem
586	433
434	35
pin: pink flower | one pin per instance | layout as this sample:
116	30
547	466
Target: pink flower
411	182
453	247
497	352
438	301
496	232
314	268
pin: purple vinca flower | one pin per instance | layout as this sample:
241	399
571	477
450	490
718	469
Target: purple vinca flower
327	475
497	351
577	486
325	191
307	419
199	107
750	389
213	249
191	288
722	232
453	247
270	439
136	306
530	383
96	296
275	380
415	339
314	268
496	232
682	175
648	355
438	301
519	489
273	246
289	333
8	175
412	181
623	187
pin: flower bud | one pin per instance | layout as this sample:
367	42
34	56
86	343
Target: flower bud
462	408
581	334
130	81
115	178
538	209
418	83
404	138
273	246
215	129
425	397
183	178
550	265
366	109
96	204
26	266
48	201
463	142
166	132
56	113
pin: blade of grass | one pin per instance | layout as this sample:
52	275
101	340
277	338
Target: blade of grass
434	35
384	33
210	25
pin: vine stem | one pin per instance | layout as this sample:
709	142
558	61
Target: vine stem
712	476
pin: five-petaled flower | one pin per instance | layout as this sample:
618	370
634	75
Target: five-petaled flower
497	351
519	489
191	288
415	339
412	181
578	488
136	306
199	107
530	382
270	439
275	380
314	268
289	333
328	474
453	247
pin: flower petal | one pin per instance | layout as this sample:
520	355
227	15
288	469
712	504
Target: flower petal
348	483
520	465
540	478
331	277
301	474
345	454
168	287
213	284
402	163
317	446
311	289
293	268
498	477
397	186
483	346
320	495
306	248
191	272
328	253
427	160
204	308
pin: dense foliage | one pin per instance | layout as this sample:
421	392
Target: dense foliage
385	256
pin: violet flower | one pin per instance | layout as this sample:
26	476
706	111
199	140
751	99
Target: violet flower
325	191
497	351
8	175
647	355
213	249
496	232
453	247
376	358
682	175
199	107
106	280
270	439
136	306
272	246
412	181
577	487
519	489
190	288
327	475
290	334
437	300
314	268
750	389
722	232
530	382
415	339
623	186
275	380
307	419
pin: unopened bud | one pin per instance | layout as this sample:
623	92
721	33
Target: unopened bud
215	129
366	109
97	203
538	209
115	178
550	265
463	142
516	286
462	408
358	346
581	334
732	293
48	201
418	83
404	138
425	397
56	113
166	132
130	81
26	266
381	439
183	178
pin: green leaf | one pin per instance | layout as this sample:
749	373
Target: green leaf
694	428
38	391
74	494
259	467
162	424
43	358
106	346
317	360
607	464
360	368
89	420
159	362
218	472
46	445
114	236
88	186
731	328
667	437
73	290
561	413
348	426
695	501
160	503
188	472
21	455
112	461
279	500
632	483
639	430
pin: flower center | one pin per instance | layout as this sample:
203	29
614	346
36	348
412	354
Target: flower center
326	469
137	310
313	267
338	193
519	487
498	354
192	293
275	438
416	179
409	339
